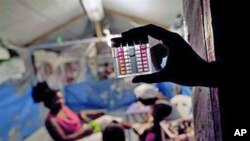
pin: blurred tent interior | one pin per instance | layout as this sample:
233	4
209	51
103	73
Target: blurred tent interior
66	42
44	20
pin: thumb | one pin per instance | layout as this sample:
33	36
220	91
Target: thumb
149	78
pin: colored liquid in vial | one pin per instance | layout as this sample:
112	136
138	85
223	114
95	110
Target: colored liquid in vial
143	46
123	69
121	61
144	58
144	55
132	59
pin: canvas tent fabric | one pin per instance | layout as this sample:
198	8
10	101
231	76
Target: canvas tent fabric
24	16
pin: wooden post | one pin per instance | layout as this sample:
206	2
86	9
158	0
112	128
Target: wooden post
98	30
205	100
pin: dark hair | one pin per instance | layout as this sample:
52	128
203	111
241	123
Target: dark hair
148	101
161	111
42	93
113	132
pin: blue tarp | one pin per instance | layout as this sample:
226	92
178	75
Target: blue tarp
106	94
19	114
167	89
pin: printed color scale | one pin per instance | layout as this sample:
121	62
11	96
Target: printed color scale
132	60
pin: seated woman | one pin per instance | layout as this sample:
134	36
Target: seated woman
62	123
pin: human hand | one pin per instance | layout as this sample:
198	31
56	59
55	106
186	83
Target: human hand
182	61
84	117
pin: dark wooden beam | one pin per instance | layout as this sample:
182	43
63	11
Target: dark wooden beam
98	30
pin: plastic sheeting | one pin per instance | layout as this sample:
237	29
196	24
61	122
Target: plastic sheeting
167	89
19	114
107	94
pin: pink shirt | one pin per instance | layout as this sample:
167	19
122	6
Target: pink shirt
150	137
70	124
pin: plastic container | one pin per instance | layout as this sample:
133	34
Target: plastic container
131	58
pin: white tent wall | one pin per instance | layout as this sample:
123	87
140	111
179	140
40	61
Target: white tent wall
83	28
24	20
79	29
117	23
160	11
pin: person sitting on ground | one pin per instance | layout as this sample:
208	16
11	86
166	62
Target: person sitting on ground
161	109
65	125
113	132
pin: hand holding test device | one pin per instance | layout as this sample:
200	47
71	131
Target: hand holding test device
131	58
